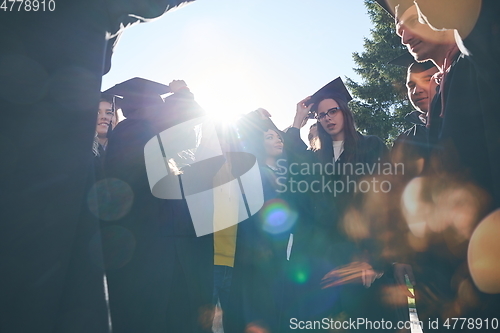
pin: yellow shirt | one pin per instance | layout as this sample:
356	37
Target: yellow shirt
226	199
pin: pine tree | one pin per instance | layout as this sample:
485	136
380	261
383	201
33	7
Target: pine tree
380	101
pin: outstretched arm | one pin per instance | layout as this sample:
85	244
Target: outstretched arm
302	113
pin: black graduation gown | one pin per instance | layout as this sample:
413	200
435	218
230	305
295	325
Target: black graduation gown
431	271
253	296
50	256
411	145
469	131
266	285
266	282
332	204
99	163
159	272
329	246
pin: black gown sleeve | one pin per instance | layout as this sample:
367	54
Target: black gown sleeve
373	150
125	153
483	45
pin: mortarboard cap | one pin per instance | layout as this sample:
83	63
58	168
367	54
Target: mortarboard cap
137	93
108	98
386	7
335	89
390	6
406	59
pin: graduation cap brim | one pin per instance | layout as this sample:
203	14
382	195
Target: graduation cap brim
137	92
335	89
251	128
406	59
137	85
386	7
267	124
108	97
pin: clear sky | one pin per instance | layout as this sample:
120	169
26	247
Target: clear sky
238	55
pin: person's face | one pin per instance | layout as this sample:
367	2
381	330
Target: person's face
418	85
422	41
333	124
273	143
313	133
105	116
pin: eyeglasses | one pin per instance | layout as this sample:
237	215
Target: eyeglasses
330	113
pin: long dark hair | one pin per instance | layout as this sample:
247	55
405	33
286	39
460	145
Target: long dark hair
256	143
351	136
251	129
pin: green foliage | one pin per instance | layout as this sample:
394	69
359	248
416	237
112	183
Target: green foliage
380	101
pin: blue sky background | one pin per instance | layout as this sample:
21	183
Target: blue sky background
238	55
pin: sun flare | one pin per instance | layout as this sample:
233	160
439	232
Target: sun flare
225	93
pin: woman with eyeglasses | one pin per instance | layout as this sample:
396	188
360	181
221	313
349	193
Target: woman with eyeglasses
344	255
338	138
347	156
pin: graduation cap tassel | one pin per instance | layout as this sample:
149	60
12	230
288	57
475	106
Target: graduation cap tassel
110	127
242	189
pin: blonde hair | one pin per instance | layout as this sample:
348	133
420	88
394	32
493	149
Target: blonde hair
95	145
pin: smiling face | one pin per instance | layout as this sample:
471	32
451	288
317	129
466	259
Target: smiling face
332	124
422	41
419	92
105	118
273	143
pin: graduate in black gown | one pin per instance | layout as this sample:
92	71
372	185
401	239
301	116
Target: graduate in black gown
410	147
159	273
464	152
410	150
253	299
343	261
263	295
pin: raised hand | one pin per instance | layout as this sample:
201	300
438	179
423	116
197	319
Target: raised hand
177	85
302	113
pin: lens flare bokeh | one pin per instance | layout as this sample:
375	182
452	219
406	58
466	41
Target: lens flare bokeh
432	204
277	217
119	245
484	254
110	199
